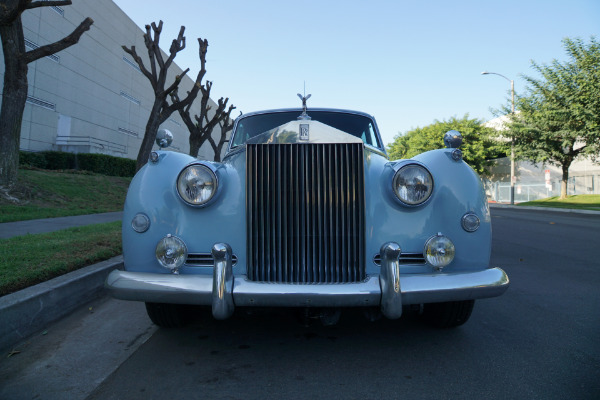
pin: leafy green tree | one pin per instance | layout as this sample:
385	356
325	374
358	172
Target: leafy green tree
478	145
559	115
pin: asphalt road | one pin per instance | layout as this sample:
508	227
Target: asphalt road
537	341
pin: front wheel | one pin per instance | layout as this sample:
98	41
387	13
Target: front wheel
447	315
167	315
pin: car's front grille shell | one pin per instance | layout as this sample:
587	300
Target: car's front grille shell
305	213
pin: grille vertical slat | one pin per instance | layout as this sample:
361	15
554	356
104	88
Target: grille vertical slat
305	213
281	222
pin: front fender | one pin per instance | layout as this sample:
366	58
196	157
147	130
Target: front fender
457	190
153	192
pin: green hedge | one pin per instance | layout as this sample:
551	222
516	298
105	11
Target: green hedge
98	163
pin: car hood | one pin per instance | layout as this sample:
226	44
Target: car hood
304	131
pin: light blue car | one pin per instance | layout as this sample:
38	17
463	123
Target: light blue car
306	211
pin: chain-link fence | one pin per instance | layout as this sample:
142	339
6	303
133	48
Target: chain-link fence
500	191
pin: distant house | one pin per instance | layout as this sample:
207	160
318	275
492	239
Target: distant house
538	180
91	97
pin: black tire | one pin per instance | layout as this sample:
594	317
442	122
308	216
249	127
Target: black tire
447	315
168	315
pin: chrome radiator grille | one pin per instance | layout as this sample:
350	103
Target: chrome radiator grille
305	213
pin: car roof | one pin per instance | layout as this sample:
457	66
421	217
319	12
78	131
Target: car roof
308	110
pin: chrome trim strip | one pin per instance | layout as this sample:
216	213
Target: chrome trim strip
222	299
376	150
405	259
391	295
204	260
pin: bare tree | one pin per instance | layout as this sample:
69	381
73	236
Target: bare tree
157	75
16	60
226	125
201	126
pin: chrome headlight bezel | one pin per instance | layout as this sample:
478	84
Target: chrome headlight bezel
401	173
186	197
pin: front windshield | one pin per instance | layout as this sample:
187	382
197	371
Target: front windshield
356	125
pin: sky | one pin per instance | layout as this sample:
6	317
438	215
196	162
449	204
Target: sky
406	62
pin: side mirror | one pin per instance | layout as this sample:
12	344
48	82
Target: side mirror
164	138
453	139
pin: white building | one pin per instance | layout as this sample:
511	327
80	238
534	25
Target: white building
538	180
92	96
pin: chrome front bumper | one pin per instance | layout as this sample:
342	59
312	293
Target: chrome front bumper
390	290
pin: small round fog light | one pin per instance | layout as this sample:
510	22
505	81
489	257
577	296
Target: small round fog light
140	223
439	251
470	222
171	252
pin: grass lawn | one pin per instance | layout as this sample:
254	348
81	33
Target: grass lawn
48	194
581	202
31	259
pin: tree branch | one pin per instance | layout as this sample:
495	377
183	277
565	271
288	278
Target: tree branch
133	53
62	44
192	94
225	127
36	4
151	45
176	46
578	151
177	81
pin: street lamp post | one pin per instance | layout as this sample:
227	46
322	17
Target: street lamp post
512	140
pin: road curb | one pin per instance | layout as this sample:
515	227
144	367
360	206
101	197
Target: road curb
527	208
30	310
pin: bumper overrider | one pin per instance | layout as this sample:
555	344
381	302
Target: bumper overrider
390	290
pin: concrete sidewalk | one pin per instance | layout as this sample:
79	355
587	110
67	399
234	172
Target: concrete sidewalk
19	228
32	309
530	208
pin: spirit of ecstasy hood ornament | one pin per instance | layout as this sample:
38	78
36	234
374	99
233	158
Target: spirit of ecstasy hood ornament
304	115
304	128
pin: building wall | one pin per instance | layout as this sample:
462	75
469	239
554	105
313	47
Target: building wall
92	97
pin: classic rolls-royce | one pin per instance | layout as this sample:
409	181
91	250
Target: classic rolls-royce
307	211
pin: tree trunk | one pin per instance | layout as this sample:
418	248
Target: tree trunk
195	143
564	180
194	147
152	126
13	101
219	149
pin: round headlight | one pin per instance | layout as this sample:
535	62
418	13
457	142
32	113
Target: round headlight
413	184
171	252
439	251
197	184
